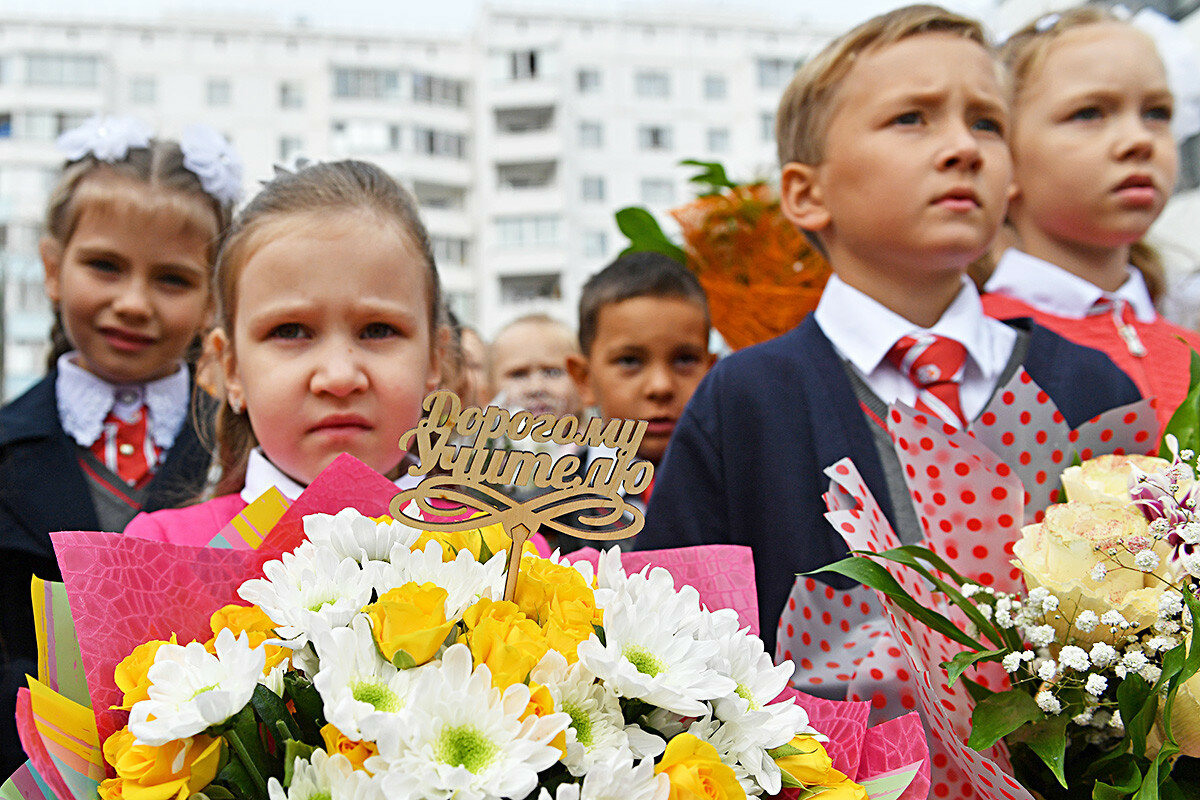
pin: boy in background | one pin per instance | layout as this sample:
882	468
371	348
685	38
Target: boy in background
528	366
893	142
643	337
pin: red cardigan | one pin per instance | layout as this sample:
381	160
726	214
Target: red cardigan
1163	373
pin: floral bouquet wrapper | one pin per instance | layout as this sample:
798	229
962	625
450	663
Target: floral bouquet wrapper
124	591
972	493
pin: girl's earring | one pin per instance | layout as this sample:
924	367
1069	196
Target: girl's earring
235	403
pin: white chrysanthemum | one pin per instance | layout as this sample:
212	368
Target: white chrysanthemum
464	579
191	689
361	691
663	664
616	778
597	728
325	778
350	534
465	739
309	591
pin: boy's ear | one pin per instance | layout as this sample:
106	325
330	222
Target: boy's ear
580	372
801	198
52	255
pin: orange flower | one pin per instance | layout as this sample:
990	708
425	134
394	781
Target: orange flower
356	752
541	703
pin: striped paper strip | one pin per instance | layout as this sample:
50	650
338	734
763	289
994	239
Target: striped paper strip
60	666
247	530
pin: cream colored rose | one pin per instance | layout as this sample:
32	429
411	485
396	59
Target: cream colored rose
1107	478
1060	554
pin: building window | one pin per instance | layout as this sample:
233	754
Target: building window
766	123
6	125
218	92
540	229
47	69
718	140
432	142
715	87
290	147
291	94
48	125
654	137
658	191
449	250
394	138
774	73
588	81
366	84
433	90
595	244
591	134
523	65
529	288
652	83
143	90
592	188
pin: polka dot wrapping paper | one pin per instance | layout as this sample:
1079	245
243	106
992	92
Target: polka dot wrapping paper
972	491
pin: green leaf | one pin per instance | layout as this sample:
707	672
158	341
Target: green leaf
999	715
712	175
213	792
271	709
1048	739
485	552
1185	422
645	234
234	778
402	660
292	751
956	666
599	633
876	576
976	691
310	708
1149	787
1124	775
1136	697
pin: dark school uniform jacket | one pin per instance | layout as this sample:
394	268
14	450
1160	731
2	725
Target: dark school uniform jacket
745	463
43	489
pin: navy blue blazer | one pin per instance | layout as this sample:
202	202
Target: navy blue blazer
43	489
745	462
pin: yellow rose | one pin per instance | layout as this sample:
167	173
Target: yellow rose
130	674
805	759
252	621
483	543
356	752
178	769
1107	478
696	771
841	788
411	618
541	703
500	636
1060	553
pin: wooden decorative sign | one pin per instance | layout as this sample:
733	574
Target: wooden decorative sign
455	451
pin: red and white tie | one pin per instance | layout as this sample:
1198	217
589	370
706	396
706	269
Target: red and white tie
126	447
935	364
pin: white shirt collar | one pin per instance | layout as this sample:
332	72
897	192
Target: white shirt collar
1050	288
261	475
84	400
863	330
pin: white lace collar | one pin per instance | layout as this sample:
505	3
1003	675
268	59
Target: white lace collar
84	400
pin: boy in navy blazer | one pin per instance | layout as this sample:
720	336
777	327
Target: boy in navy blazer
895	160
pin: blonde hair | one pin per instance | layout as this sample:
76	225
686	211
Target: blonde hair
808	102
1023	55
88	183
334	186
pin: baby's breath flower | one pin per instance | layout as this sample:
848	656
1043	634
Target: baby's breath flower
1170	603
1086	621
1146	560
1150	673
1004	619
1038	596
1049	604
1103	655
970	589
1096	684
1113	619
1040	635
1011	662
1048	702
1134	661
1160	643
1116	721
1047	670
1084	717
1099	572
1075	658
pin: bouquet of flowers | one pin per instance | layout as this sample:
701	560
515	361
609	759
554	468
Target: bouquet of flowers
368	659
760	274
1080	669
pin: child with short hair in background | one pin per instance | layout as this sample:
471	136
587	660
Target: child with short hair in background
643	337
131	232
327	338
894	148
1095	162
528	366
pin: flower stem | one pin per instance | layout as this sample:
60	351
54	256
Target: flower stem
243	753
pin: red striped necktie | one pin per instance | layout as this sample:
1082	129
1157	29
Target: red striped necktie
935	364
